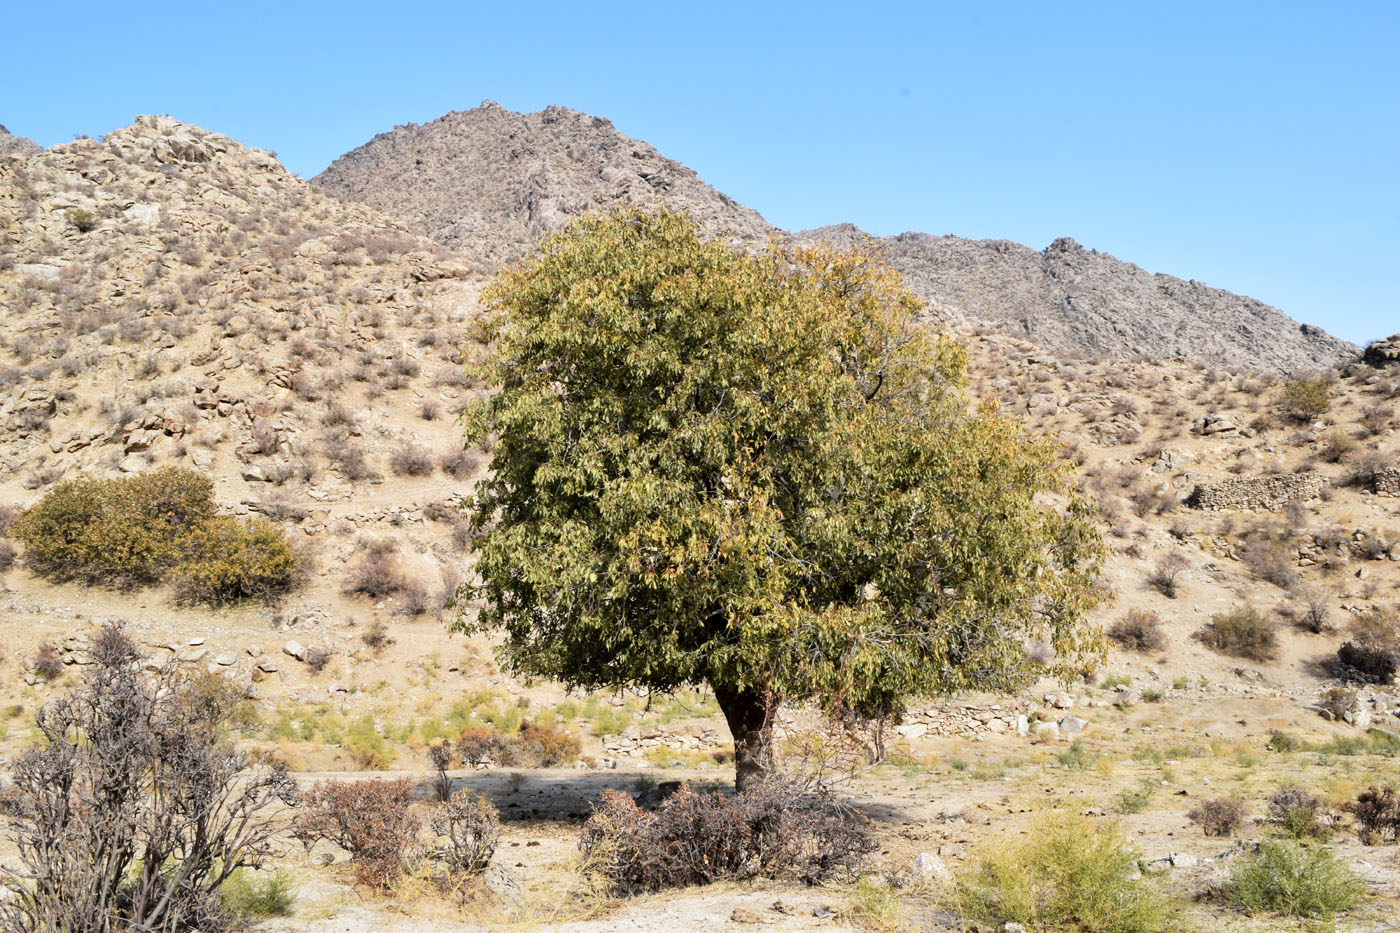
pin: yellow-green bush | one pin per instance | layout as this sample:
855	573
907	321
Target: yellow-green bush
1070	873
135	530
228	560
1305	399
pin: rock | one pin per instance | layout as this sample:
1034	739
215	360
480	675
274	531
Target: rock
1072	725
295	649
929	867
1047	730
226	659
267	666
1358	717
1182	860
1383	352
134	463
912	730
253	473
748	915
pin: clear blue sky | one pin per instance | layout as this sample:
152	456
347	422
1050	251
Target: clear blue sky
1252	146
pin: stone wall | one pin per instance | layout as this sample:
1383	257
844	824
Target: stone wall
1386	482
1257	492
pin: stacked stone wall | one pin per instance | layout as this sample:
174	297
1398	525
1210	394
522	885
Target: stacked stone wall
1257	492
1386	482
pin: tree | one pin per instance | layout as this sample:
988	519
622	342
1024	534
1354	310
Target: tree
758	472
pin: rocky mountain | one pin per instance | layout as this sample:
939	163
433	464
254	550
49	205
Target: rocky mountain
1069	299
16	145
490	182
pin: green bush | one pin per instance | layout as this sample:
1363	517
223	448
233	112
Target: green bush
229	560
1297	880
1069	872
137	530
251	895
82	219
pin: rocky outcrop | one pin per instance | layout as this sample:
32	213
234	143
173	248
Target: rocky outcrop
16	145
1257	492
1383	352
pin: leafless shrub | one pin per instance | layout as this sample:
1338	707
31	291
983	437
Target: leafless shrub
378	573
429	409
1166	576
459	464
470	828
768	831
1139	630
411	460
1221	816
1313	608
47	662
377	637
134	809
1376	812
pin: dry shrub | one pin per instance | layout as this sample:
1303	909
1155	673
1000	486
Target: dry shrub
1139	630
1221	816
1166	576
1272	557
1299	814
1376	812
459	464
377	637
470	827
1369	660
1338	701
47	663
768	831
1242	632
411	460
372	820
134	810
378	573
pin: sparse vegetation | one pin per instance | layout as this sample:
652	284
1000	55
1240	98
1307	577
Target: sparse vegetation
1242	632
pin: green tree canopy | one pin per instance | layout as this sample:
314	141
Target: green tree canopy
759	472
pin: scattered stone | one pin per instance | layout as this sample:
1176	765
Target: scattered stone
929	867
295	649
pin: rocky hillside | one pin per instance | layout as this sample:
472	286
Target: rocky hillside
490	182
16	145
1069	299
172	297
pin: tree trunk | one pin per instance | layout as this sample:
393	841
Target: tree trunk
750	718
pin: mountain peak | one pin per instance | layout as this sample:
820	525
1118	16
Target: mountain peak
491	182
